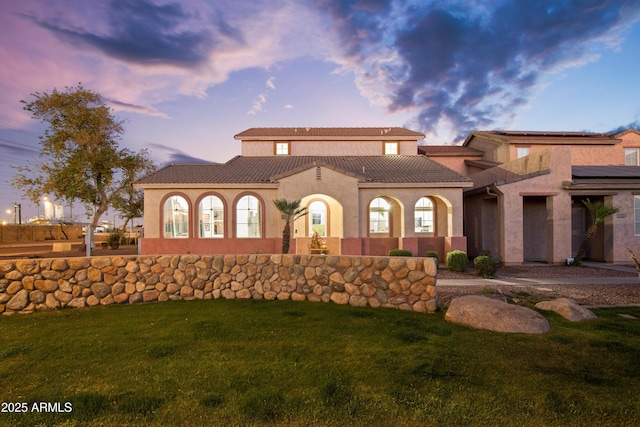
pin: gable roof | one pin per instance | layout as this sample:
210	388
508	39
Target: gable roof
544	138
306	133
626	131
254	170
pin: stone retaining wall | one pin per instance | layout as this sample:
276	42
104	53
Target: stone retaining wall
42	284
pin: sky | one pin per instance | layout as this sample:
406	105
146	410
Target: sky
188	75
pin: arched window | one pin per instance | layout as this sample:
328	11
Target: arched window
318	218
176	217
211	217
379	216
248	217
424	215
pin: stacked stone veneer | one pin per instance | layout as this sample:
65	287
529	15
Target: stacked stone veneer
43	284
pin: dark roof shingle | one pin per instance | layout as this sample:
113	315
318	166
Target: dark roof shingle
384	169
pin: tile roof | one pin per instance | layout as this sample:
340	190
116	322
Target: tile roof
536	137
329	133
613	172
253	170
448	150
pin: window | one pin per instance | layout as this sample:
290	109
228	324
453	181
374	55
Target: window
176	217
631	156
636	215
248	217
522	152
318	218
379	216
390	148
211	217
281	148
424	215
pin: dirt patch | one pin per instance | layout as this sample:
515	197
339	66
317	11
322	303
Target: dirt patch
592	295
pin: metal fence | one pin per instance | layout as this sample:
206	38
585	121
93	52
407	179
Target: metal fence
12	233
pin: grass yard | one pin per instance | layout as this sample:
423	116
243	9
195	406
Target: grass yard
222	362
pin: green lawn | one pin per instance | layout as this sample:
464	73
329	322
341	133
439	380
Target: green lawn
221	362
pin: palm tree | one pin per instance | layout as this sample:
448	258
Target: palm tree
598	214
290	211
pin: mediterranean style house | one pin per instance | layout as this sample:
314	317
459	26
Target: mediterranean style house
367	191
526	201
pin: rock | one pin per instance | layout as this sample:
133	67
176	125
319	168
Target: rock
485	313
568	309
19	301
100	289
46	285
340	297
77	303
150	295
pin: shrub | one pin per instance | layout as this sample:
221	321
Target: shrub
485	266
115	237
400	252
457	261
432	254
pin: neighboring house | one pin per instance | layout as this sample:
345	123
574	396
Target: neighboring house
367	191
526	202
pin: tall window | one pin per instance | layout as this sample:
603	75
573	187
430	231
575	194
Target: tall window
631	156
211	217
318	218
379	216
176	217
424	215
636	215
390	148
248	217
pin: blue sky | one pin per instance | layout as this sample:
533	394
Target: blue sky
188	75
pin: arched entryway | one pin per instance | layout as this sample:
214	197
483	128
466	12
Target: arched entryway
324	217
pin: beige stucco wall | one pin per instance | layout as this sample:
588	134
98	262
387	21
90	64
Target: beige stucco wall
581	154
622	227
154	197
340	191
329	148
544	172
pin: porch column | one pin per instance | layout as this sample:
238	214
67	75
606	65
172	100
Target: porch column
511	211
558	228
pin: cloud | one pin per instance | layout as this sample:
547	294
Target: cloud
633	125
461	66
142	32
133	108
258	103
143	52
13	148
174	155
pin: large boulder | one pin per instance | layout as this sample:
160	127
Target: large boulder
486	313
567	308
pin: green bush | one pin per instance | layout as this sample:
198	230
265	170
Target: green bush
400	252
432	254
485	266
115	237
457	261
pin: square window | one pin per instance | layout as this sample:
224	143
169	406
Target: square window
390	148
522	152
281	148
